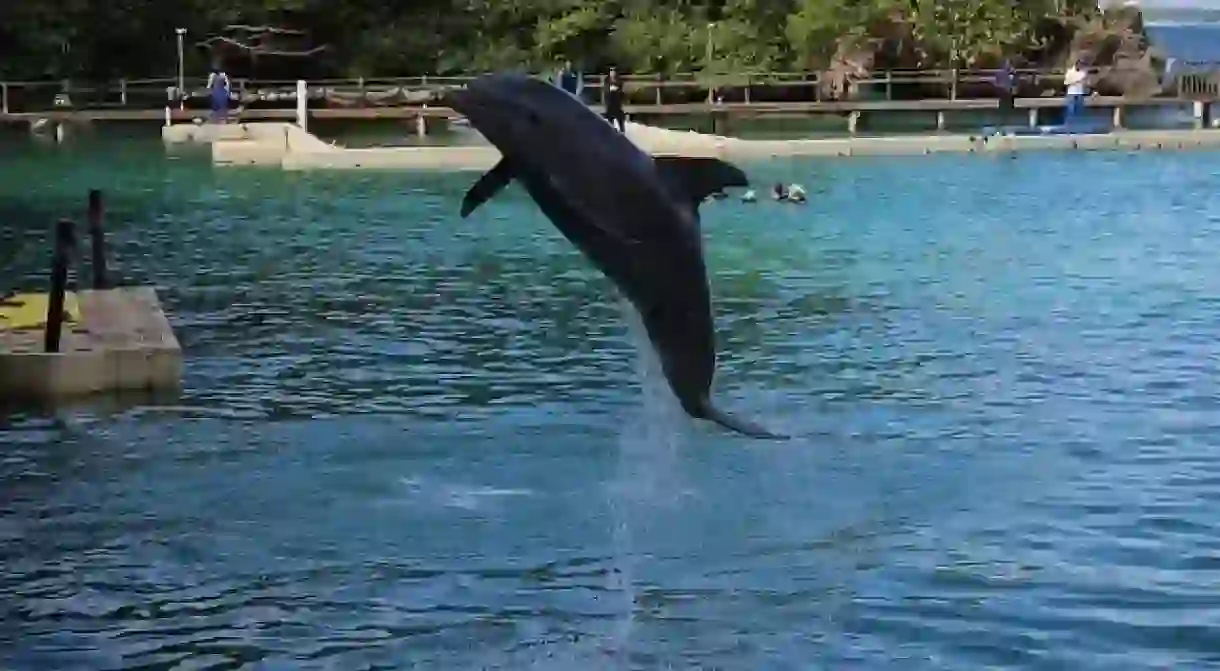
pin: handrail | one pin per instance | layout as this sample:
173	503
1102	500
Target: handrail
151	92
880	76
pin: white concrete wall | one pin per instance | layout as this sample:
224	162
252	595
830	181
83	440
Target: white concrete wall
294	149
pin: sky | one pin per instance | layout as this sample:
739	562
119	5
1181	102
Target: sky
1178	4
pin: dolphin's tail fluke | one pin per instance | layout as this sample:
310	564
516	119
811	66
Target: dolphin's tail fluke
742	426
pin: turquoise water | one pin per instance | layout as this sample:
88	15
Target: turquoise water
412	441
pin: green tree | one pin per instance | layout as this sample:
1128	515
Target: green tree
720	38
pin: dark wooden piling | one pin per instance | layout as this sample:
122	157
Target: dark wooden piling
65	243
97	235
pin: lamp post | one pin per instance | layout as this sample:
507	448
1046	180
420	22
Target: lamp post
711	26
181	70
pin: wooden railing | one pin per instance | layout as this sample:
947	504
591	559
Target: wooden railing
41	96
1199	86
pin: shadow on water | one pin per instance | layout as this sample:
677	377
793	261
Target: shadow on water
102	406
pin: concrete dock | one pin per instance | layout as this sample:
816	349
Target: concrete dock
119	340
291	148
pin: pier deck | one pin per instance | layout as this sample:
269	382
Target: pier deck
121	341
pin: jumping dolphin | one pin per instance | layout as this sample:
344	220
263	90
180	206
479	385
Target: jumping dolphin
634	216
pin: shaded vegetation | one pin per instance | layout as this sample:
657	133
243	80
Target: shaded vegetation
107	39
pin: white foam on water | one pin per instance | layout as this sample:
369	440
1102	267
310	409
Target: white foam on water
455	495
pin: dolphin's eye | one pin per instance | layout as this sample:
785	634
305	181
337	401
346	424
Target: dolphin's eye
533	117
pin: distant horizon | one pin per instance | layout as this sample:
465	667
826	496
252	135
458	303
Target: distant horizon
1185	11
1178	4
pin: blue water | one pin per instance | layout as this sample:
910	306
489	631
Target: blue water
408	440
1197	43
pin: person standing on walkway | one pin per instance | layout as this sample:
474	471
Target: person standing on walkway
218	91
568	79
1006	84
614	101
1074	79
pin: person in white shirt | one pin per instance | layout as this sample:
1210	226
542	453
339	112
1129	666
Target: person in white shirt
1074	79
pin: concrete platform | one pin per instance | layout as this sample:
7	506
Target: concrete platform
122	342
293	149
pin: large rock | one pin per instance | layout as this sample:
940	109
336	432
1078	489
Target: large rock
852	61
1115	44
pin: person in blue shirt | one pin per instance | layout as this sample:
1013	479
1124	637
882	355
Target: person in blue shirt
218	92
568	79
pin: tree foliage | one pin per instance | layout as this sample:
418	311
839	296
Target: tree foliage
133	38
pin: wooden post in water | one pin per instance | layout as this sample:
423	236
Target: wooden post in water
97	236
4	97
64	243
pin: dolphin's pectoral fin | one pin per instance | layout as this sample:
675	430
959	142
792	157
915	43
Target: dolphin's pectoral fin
693	179
491	183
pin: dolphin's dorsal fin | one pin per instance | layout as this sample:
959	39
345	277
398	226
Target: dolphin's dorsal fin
491	183
691	180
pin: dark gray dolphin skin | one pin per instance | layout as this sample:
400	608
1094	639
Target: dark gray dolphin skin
634	216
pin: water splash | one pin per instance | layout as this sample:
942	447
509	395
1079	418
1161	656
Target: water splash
646	474
647	479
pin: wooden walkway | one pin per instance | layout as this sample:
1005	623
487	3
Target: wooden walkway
649	95
753	109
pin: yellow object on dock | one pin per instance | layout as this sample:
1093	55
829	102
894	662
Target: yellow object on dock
28	311
120	340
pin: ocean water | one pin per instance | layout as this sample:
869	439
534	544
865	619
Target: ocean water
408	440
1190	42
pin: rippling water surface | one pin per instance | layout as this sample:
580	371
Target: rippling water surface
412	441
